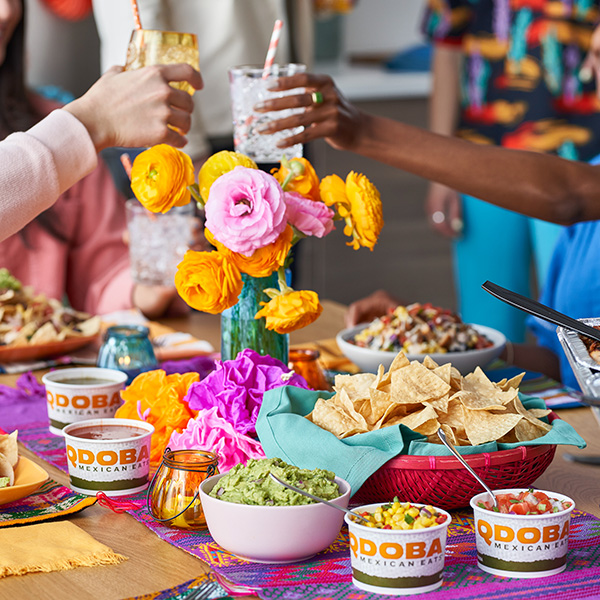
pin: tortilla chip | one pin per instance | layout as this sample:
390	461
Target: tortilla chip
6	469
356	386
483	426
474	401
9	447
332	418
417	383
521	410
45	334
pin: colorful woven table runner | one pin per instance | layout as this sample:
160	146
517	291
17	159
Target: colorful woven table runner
48	502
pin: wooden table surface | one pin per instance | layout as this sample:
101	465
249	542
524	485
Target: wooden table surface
154	565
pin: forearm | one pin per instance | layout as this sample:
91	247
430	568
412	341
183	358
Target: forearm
538	185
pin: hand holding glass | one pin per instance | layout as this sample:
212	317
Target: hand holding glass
154	47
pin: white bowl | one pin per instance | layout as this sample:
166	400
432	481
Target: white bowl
369	360
273	534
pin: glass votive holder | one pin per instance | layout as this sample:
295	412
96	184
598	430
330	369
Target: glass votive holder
127	348
174	493
305	362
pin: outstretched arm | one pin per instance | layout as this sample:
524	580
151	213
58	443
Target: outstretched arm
537	185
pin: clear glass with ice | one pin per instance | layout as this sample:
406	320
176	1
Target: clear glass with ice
157	242
249	86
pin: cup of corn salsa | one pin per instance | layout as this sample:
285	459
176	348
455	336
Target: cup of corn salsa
526	536
401	550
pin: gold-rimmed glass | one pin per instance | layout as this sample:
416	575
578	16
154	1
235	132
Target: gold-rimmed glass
156	47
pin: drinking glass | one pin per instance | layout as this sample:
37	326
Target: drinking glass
155	47
157	241
249	85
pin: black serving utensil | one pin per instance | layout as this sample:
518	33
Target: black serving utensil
541	310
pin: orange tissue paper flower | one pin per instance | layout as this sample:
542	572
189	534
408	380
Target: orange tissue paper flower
157	398
208	281
218	164
263	261
160	177
306	184
287	312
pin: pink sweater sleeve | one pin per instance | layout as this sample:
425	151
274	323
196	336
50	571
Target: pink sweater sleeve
38	165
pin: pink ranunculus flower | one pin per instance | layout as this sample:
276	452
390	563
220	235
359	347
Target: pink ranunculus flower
308	216
209	431
245	210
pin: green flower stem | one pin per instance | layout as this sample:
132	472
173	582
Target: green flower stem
195	192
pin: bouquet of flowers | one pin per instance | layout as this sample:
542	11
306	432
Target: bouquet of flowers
253	219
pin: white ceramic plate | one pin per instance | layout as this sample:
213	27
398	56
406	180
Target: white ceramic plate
369	360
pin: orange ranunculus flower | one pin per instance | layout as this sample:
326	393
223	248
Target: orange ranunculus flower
358	202
208	281
366	213
160	177
333	191
287	312
217	165
157	398
306	184
263	261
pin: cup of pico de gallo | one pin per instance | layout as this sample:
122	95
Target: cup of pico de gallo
526	536
401	550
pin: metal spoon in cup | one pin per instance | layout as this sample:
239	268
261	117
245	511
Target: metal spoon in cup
442	435
308	495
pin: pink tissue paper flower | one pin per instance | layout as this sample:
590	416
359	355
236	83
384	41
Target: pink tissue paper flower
245	210
236	387
208	431
308	216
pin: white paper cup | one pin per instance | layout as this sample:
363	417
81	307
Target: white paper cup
396	561
522	546
114	466
69	400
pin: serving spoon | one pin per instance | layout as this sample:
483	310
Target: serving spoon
322	500
537	309
442	435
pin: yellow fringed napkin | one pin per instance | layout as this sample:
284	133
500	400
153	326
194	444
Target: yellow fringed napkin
49	547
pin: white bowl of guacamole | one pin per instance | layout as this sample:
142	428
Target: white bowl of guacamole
253	517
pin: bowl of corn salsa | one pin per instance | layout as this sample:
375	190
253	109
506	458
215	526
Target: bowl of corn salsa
401	550
527	536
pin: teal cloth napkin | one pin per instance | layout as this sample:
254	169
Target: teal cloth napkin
285	433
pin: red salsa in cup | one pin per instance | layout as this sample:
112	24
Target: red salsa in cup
528	502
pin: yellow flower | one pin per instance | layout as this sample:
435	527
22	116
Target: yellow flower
160	176
359	204
288	312
333	191
263	261
208	281
217	165
306	184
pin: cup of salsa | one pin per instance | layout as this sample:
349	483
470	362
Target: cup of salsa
108	455
527	536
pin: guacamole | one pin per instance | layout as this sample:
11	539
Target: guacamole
251	484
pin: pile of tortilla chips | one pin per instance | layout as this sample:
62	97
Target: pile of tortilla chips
28	319
9	457
425	396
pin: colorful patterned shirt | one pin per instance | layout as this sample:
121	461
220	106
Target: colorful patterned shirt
519	83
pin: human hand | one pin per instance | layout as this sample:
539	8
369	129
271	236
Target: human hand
591	64
138	108
444	210
328	114
366	309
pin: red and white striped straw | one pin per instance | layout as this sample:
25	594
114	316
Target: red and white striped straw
273	46
136	14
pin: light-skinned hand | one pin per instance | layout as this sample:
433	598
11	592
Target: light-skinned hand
138	108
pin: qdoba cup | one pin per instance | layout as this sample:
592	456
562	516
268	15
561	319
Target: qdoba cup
522	545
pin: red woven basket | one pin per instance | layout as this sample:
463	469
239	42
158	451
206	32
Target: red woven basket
443	482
